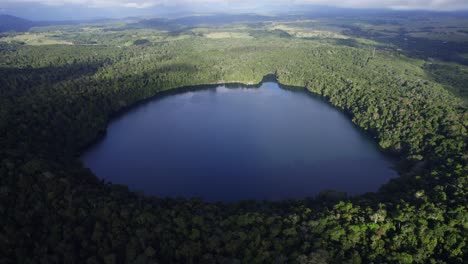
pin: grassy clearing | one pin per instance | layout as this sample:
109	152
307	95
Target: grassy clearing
464	55
36	39
302	32
222	35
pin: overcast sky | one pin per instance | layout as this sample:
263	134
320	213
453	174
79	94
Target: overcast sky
80	9
392	4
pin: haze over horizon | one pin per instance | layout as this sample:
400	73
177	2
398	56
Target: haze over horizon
89	9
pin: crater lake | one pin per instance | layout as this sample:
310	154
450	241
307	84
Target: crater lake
235	142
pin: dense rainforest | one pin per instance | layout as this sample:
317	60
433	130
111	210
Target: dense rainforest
57	99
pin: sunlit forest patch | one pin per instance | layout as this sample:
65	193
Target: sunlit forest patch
35	39
220	35
303	32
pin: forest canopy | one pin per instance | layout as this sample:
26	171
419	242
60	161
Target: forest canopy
60	86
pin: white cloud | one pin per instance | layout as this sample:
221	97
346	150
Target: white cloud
393	4
139	4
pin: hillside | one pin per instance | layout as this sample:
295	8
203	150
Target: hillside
12	23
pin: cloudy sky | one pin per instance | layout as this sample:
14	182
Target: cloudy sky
394	4
41	9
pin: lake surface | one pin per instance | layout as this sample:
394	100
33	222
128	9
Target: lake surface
233	143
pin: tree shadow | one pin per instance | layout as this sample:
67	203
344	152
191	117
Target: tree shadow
15	81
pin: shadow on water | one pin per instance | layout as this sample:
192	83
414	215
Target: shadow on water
364	134
277	172
269	78
114	117
205	87
192	88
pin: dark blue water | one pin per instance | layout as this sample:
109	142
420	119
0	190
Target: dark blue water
228	144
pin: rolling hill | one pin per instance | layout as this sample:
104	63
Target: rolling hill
12	23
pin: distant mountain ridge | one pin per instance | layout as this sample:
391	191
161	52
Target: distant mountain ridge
219	19
184	22
12	23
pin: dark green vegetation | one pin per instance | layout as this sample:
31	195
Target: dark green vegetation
56	99
13	23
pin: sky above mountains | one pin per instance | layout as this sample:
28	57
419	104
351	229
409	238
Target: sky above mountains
392	4
85	9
